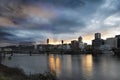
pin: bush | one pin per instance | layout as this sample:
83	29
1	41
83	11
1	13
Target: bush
7	73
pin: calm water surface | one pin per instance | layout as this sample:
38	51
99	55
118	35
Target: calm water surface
68	67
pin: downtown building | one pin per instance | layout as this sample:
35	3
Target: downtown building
97	42
78	44
111	43
117	41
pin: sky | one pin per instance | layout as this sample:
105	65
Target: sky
37	20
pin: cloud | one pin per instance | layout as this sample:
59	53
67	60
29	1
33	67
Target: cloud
4	21
58	3
36	20
113	20
4	35
20	35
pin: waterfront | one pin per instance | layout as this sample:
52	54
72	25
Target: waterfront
68	67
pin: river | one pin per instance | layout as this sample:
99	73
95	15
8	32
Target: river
68	67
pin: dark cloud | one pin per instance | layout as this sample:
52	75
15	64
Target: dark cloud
64	25
59	3
34	20
20	35
56	26
4	35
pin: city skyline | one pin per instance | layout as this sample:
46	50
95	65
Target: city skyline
37	20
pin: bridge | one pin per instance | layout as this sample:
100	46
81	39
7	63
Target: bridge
30	52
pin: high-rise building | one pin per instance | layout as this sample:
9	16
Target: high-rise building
74	44
118	40
62	42
80	39
97	35
97	42
47	41
80	42
111	42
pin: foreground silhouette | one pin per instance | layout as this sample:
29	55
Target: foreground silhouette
7	73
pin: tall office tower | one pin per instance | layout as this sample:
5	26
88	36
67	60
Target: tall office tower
97	42
47	41
97	35
62	42
118	40
80	39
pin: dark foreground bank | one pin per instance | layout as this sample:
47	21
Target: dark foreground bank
7	73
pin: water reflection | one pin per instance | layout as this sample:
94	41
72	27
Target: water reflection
69	64
87	65
52	63
55	64
0	58
68	67
58	65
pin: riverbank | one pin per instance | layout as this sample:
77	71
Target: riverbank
7	73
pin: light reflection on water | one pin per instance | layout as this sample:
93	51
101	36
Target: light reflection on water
68	67
87	65
54	64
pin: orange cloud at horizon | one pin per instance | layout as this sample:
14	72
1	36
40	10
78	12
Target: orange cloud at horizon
86	39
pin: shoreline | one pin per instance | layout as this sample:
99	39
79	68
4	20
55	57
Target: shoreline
8	73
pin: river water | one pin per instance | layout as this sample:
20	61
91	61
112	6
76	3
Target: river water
68	67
